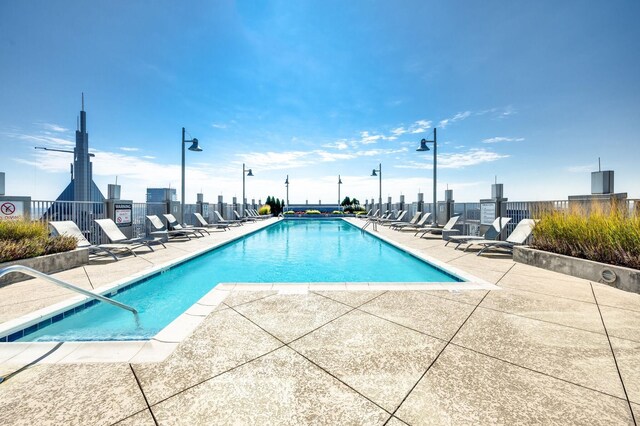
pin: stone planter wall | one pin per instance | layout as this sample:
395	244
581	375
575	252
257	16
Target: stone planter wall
616	276
48	264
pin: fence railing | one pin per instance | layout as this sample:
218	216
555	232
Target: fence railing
83	213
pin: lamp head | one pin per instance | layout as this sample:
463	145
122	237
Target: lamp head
373	173
339	181
250	173
194	146
286	182
423	146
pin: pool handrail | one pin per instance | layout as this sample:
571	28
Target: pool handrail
37	274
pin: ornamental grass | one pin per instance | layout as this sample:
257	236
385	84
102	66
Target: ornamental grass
23	239
611	236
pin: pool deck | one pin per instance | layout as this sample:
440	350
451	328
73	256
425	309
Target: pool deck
545	348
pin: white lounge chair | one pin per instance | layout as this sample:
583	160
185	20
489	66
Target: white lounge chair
160	229
176	226
518	237
437	230
115	235
422	223
203	223
492	233
226	222
413	221
69	228
401	214
244	219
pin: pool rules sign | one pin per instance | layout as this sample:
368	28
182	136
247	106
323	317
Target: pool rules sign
11	210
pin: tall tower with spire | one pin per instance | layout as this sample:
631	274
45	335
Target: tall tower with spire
81	187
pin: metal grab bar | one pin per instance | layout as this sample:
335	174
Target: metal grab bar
37	274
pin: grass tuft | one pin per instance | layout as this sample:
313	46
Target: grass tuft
23	240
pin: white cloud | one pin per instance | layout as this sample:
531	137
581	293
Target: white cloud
366	138
420	126
129	149
582	168
498	139
458	160
149	157
341	145
53	127
399	131
218	125
458	117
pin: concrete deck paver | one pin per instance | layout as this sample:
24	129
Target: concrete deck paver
471	297
290	316
432	315
628	358
143	418
281	388
557	310
242	297
570	354
223	341
621	323
556	287
377	358
78	394
609	296
351	298
467	388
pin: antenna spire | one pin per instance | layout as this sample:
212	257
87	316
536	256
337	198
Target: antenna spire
82	101
599	169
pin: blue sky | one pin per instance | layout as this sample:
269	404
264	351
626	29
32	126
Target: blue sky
533	92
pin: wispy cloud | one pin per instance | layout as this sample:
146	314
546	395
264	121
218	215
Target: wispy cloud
42	138
341	145
499	139
458	117
53	127
457	160
366	138
129	149
218	125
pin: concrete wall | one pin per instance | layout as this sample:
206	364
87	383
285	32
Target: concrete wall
616	276
48	264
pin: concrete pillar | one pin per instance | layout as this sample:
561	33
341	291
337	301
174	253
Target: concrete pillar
421	202
2	192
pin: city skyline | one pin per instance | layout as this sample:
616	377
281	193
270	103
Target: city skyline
530	93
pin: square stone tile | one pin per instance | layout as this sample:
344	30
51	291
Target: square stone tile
281	388
432	315
576	290
223	341
464	387
622	323
472	297
292	315
628	358
239	297
351	298
143	418
379	359
558	310
611	296
79	394
636	411
578	356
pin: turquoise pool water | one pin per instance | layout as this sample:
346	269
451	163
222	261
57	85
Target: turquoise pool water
289	251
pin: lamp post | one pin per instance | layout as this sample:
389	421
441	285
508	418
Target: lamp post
286	183
194	147
424	147
373	173
339	183
246	172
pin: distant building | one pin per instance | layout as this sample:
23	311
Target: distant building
81	187
159	195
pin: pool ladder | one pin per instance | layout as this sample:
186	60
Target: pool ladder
37	274
369	222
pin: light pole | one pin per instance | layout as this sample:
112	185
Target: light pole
339	183
424	147
373	173
246	172
286	183
194	147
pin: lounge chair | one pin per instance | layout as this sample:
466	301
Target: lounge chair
367	215
115	235
69	228
422	223
413	221
254	214
159	227
518	237
492	233
205	224
227	223
401	214
244	219
437	230
176	226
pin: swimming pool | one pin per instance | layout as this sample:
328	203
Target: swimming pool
287	251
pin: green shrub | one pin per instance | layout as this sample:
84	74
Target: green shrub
22	240
361	212
612	238
337	212
264	210
312	212
290	212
